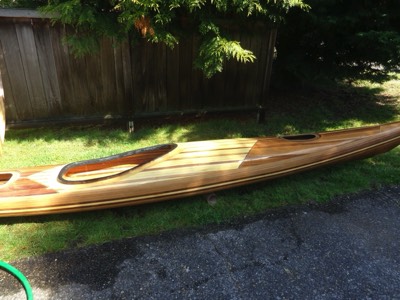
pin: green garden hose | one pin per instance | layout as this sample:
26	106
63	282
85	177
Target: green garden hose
21	277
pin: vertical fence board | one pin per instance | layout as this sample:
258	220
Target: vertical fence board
79	99
261	61
197	80
119	79
108	76
172	73
127	106
149	71
62	69
244	78
185	74
30	62
268	65
48	68
15	70
150	87
252	43
9	106
160	70
94	83
230	84
138	76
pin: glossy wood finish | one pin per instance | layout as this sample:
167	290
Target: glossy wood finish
105	168
187	169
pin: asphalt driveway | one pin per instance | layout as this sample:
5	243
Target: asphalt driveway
346	249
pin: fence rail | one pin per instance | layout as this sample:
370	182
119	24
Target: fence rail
42	80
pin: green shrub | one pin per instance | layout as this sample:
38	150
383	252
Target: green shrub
339	39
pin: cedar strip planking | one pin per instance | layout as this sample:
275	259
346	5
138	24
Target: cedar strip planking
25	187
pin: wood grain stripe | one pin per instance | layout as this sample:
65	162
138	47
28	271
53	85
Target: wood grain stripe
25	187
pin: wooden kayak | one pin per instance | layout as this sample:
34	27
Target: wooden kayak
176	170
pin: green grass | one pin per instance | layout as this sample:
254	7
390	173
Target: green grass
290	112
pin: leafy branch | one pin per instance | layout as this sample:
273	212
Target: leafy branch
215	51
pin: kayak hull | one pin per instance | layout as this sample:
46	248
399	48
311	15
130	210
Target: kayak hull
179	170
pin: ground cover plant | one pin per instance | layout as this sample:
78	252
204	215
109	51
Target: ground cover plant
289	112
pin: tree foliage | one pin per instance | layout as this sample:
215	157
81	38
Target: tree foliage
167	21
340	39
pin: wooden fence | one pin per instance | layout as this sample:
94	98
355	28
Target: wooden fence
43	81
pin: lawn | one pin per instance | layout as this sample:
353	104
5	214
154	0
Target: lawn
328	108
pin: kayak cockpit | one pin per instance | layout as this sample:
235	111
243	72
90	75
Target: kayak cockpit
300	137
5	178
108	167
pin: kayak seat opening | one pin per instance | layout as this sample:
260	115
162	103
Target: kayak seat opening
4	178
300	137
111	166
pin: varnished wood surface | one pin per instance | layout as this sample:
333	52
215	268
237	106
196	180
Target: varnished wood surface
189	169
115	165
